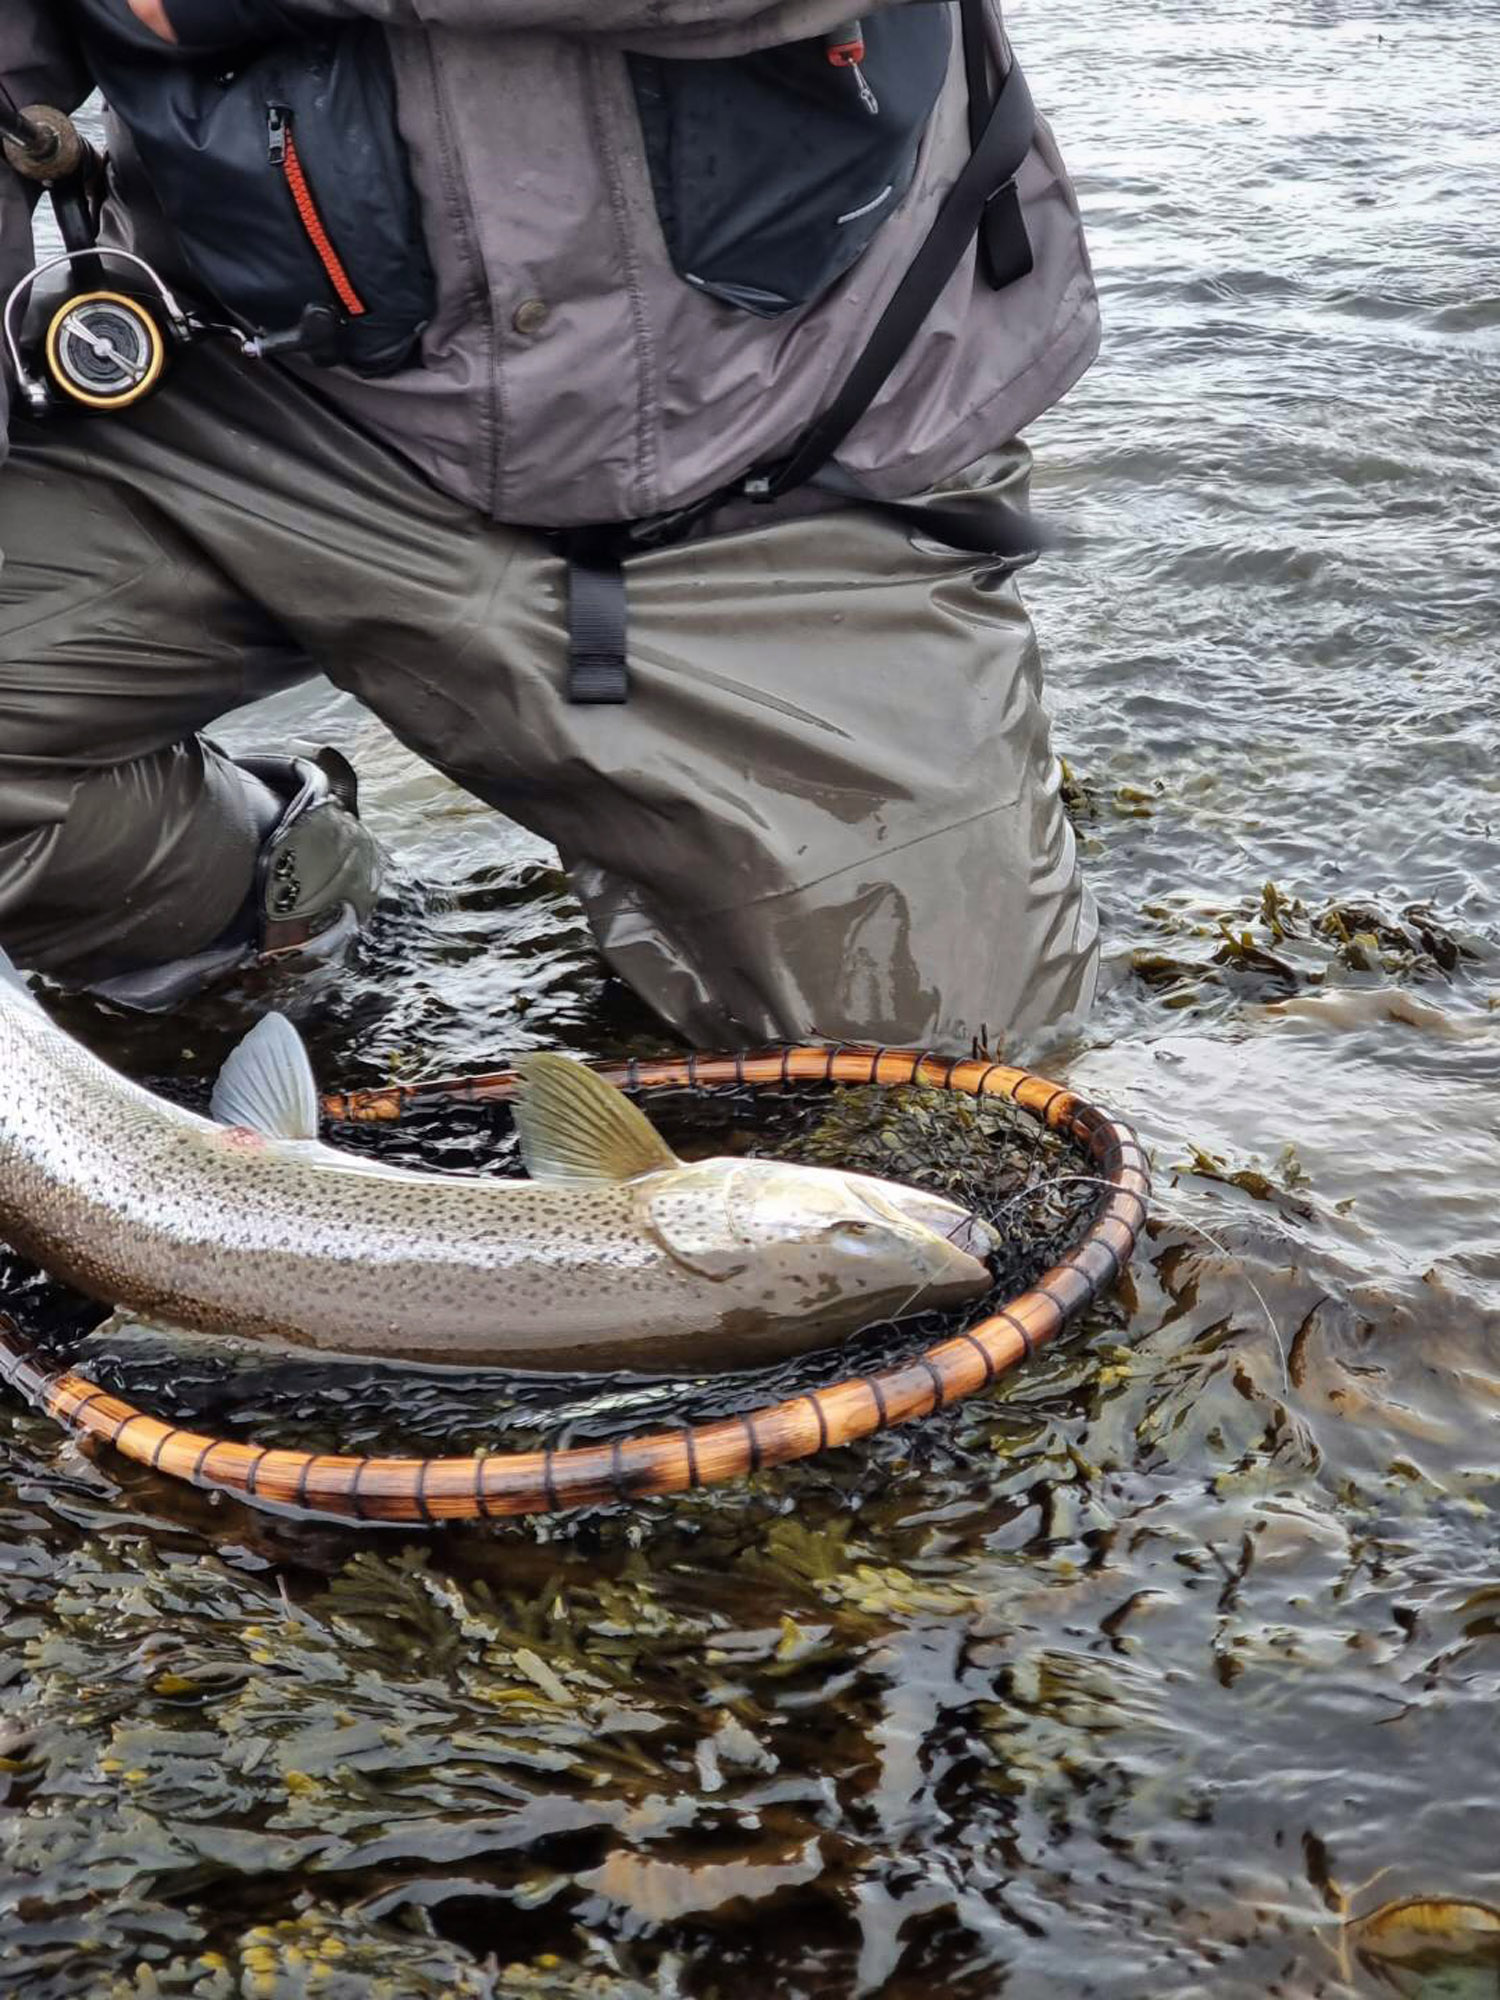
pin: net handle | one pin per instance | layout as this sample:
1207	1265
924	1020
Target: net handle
489	1485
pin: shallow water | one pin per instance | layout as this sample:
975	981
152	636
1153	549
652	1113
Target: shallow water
1158	1668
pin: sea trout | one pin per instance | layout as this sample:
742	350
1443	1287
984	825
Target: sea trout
614	1254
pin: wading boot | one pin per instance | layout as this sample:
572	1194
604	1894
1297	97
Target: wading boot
316	879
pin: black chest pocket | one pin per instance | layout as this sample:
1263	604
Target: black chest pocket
284	177
773	172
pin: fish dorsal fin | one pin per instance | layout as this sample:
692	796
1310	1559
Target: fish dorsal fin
10	976
576	1127
267	1084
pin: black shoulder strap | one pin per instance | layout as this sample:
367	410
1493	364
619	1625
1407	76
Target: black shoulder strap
981	203
1004	246
991	168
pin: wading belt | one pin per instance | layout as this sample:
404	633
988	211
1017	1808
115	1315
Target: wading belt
982	203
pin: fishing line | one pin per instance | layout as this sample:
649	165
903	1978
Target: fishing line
1183	1222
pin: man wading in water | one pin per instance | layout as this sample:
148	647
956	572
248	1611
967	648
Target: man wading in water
580	392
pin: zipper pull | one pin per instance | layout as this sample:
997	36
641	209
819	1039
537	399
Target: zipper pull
278	125
845	49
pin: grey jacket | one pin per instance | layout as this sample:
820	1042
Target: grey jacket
569	374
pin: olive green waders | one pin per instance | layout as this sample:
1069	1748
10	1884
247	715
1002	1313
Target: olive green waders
829	808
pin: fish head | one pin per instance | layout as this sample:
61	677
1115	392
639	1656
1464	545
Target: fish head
794	1256
814	1243
920	1209
893	1240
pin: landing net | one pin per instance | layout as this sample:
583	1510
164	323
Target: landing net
1063	1185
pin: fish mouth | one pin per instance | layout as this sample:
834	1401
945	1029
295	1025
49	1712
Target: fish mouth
968	1233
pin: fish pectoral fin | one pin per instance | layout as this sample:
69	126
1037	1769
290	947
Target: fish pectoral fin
574	1126
267	1084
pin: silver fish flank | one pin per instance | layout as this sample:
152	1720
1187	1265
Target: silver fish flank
614	1254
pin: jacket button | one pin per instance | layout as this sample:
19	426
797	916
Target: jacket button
530	316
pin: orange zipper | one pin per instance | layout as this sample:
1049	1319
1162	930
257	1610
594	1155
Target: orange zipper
284	155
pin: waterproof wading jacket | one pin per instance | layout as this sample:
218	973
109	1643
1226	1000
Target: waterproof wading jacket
639	292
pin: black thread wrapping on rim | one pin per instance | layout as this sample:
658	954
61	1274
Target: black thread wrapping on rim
333	1485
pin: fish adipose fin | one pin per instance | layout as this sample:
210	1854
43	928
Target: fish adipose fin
267	1084
574	1126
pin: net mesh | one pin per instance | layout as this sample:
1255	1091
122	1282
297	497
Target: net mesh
1031	1184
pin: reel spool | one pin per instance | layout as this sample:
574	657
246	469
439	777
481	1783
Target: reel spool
104	351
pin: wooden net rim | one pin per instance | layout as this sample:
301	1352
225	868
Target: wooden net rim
488	1485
